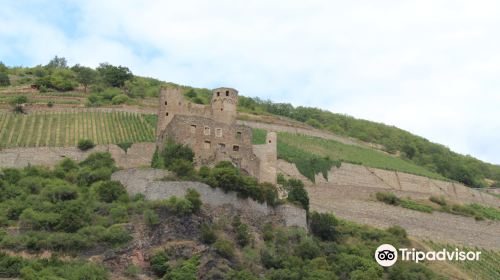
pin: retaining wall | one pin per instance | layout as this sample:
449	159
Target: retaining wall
140	154
146	181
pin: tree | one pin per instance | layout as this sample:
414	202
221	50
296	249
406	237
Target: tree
58	62
109	191
4	79
324	226
18	102
3	68
114	76
298	194
85	75
124	146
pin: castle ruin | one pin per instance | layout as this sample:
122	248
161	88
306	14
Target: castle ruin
212	133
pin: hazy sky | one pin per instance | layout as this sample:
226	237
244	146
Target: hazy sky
429	67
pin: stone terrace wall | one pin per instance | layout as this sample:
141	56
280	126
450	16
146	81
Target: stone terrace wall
139	154
405	184
146	181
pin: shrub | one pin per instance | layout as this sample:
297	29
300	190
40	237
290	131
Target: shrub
151	218
224	248
85	144
50	104
38	220
178	206
86	176
109	191
207	234
120	99
4	79
116	234
387	197
298	194
438	200
158	263
307	249
58	190
243	236
194	197
10	266
175	151
98	160
73	216
132	271
182	168
186	271
324	226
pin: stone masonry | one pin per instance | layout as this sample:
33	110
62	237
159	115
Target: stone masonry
213	134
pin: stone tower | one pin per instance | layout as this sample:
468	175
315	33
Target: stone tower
171	103
224	103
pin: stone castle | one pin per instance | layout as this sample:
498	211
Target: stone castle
212	133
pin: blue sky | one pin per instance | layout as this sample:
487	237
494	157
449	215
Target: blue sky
429	67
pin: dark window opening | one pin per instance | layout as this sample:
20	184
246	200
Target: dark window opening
227	92
238	135
269	141
221	109
165	102
166	114
222	146
218	93
236	148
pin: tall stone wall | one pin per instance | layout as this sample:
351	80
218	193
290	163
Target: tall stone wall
139	154
405	184
268	155
146	181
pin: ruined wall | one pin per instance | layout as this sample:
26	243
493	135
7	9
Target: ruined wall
268	155
140	154
214	141
145	181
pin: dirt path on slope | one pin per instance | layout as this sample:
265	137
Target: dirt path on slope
439	227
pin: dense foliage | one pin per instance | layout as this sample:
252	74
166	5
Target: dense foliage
434	157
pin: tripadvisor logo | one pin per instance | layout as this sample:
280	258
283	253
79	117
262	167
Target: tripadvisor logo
386	255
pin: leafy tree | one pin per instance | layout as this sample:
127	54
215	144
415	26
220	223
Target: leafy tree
175	151
3	68
125	146
74	215
182	168
57	62
324	225
109	191
114	76
85	75
4	79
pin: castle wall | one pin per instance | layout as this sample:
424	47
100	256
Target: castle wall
268	155
214	141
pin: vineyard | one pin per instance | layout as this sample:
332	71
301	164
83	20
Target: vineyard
58	129
486	268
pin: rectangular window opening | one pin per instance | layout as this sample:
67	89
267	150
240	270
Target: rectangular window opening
218	132
206	145
236	148
193	128
206	131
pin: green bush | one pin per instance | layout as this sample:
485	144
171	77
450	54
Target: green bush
298	193
224	248
120	99
243	236
4	79
178	206
125	146
109	191
151	218
324	226
73	216
158	263
413	205
387	197
207	234
186	271
174	151
85	144
182	168
194	197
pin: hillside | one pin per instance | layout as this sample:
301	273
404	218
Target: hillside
65	88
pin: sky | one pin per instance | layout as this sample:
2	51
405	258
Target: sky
431	67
